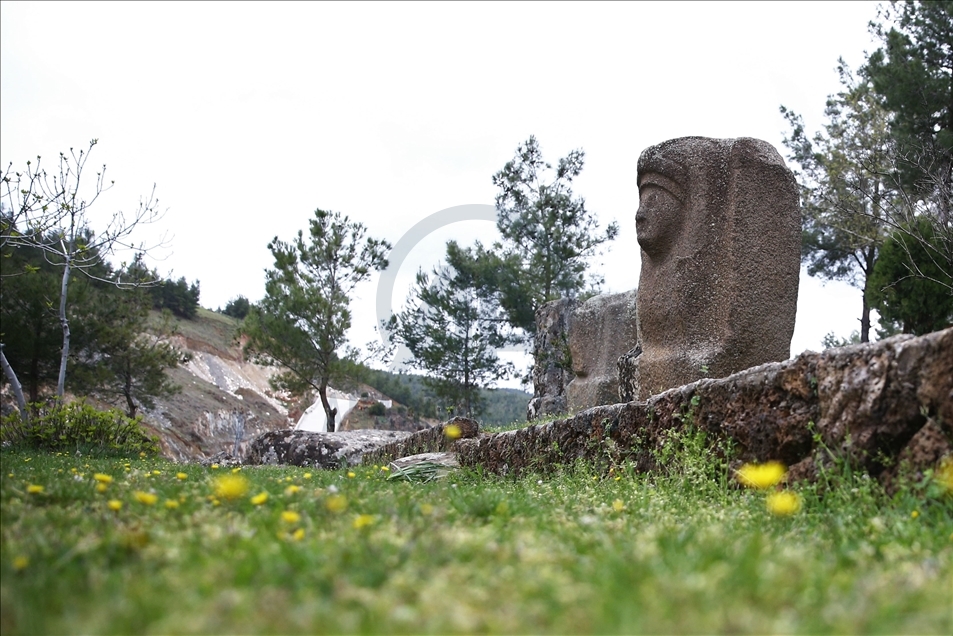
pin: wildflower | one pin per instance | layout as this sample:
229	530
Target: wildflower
351	474
307	475
214	467
34	489
157	472
426	509
385	469
914	514
101	487
761	476
231	487
290	490
20	563
115	505
142	453
145	497
336	503
171	504
618	505
102	478
362	521
181	476
236	470
452	431
298	534
290	516
260	498
784	503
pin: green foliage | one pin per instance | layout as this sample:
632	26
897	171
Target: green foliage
301	322
237	307
78	427
377	409
910	286
831	340
453	329
179	297
845	185
912	70
548	234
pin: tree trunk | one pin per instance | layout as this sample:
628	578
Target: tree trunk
329	413
15	385
61	381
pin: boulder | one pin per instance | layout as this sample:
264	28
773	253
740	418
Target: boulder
601	330
719	228
318	450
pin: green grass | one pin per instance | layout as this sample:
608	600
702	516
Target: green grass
568	552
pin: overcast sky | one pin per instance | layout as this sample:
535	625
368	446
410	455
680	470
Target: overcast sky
248	116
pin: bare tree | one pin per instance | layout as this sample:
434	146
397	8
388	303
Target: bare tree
52	213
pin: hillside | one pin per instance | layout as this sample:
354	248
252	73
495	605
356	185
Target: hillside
226	401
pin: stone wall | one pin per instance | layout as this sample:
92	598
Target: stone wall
871	404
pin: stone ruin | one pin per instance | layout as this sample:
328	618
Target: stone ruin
600	331
552	370
720	230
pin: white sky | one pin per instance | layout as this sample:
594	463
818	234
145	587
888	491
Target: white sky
248	116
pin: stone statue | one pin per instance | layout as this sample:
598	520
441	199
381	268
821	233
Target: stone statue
720	232
601	329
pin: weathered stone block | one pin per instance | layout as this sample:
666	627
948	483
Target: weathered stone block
601	329
552	370
318	450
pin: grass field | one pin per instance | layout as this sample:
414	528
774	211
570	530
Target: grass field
99	545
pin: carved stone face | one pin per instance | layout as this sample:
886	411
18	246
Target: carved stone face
658	222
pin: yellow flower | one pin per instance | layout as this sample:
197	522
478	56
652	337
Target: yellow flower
784	503
34	489
20	562
452	431
914	514
102	478
761	476
237	470
618	505
181	476
290	490
351	474
362	521
336	503
298	534
385	469
101	487
307	475
157	472
260	498
290	516
145	497
214	467
231	486
426	509
171	504
115	504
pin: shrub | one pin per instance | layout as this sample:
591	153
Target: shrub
377	409
80	427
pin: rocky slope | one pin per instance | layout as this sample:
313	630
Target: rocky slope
226	401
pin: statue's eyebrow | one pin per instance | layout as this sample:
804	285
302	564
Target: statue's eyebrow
661	181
